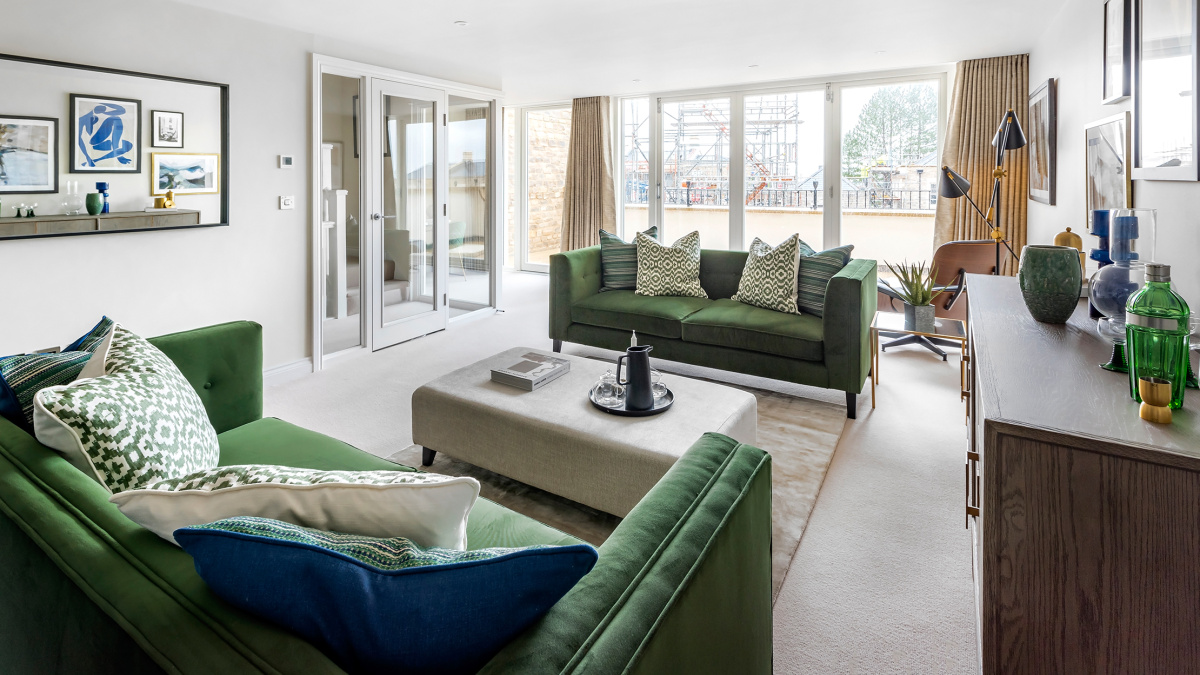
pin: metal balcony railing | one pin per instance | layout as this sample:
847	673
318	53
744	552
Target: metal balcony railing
866	199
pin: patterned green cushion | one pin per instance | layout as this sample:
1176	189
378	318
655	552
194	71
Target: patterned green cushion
669	270
769	279
816	269
24	375
139	423
618	261
396	553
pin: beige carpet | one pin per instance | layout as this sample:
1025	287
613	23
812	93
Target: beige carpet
800	434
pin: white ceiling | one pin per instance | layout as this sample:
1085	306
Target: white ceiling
548	50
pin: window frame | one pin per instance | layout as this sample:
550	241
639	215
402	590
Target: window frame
521	185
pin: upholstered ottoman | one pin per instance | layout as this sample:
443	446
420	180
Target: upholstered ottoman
554	439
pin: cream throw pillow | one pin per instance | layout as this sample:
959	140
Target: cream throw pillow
669	270
427	508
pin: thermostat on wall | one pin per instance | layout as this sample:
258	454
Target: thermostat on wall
285	161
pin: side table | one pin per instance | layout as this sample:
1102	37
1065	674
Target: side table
893	322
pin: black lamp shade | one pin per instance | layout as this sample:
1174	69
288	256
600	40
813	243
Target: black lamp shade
952	185
1016	136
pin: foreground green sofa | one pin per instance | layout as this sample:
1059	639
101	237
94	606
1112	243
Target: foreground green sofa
833	351
682	586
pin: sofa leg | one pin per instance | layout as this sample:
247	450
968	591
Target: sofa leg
851	402
558	345
427	456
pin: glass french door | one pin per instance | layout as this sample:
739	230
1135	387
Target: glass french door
405	143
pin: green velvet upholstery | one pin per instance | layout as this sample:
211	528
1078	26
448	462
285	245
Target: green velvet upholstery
685	578
833	351
649	315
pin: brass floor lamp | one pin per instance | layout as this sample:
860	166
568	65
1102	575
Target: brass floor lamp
1009	136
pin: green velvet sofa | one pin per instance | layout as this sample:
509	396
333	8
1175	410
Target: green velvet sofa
682	585
833	351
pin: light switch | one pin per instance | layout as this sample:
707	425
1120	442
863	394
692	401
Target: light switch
287	203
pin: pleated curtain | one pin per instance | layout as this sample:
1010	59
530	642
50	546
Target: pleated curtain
984	89
589	199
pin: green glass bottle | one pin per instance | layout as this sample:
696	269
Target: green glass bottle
1156	334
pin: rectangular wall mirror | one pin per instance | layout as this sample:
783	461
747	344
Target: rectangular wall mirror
87	150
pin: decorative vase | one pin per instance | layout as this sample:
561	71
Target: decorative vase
95	204
1050	279
918	318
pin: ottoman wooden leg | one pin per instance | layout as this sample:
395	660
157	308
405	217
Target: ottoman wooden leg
427	456
558	345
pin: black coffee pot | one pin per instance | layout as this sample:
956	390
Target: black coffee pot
638	394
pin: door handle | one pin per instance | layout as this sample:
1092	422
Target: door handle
376	216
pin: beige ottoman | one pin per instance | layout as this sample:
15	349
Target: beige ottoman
554	439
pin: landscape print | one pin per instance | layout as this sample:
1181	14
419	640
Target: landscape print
28	155
185	173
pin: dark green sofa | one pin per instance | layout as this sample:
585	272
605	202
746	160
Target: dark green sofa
682	585
833	351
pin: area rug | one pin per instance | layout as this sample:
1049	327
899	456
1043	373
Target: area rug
799	433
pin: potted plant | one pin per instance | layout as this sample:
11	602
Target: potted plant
917	290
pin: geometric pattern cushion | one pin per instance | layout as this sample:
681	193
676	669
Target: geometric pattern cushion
669	270
338	592
428	508
816	269
618	261
139	423
769	278
24	375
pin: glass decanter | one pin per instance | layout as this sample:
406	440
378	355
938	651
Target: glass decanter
72	199
1156	332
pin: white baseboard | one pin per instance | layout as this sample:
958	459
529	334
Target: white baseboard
287	372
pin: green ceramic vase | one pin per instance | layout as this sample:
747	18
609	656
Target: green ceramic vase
94	203
1050	280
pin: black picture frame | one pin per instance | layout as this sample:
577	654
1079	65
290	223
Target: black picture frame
52	158
1042	126
1114	87
223	89
354	121
155	136
136	135
1147	110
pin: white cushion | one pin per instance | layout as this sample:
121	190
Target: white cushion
427	508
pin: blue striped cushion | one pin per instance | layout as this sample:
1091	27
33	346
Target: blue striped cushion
618	261
24	375
816	269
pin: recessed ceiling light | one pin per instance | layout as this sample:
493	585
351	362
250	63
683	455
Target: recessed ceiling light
753	66
881	51
460	24
636	80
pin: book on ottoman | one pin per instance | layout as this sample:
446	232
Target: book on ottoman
532	372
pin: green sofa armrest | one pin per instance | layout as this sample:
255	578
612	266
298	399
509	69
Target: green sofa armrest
850	303
574	275
224	363
683	585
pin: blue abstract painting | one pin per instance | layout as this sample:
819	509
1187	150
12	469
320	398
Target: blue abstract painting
106	135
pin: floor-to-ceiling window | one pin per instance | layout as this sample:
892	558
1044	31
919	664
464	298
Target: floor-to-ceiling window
545	144
785	173
635	164
695	170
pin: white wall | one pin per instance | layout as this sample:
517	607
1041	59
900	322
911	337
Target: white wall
53	290
1070	50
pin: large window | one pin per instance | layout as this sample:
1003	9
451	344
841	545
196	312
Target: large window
785	174
695	185
635	164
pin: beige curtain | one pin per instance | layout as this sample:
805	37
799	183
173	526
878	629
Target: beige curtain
589	200
984	89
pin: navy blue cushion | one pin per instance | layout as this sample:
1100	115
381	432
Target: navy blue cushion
383	605
23	375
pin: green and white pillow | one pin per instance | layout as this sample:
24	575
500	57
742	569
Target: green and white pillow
427	508
618	261
140	423
669	270
769	278
816	269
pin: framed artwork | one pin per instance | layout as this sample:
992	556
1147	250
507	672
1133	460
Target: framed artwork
354	122
1165	78
166	129
1043	142
106	136
28	154
1117	50
185	173
1107	151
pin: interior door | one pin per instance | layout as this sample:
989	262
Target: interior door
405	134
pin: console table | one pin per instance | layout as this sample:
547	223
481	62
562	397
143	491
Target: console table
104	222
1085	519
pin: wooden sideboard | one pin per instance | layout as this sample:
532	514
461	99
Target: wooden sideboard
105	222
1085	519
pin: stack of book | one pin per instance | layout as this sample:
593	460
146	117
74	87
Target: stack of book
533	371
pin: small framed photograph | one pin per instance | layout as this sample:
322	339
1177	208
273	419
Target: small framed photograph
106	135
1106	152
28	154
166	129
1043	142
1118	52
185	173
